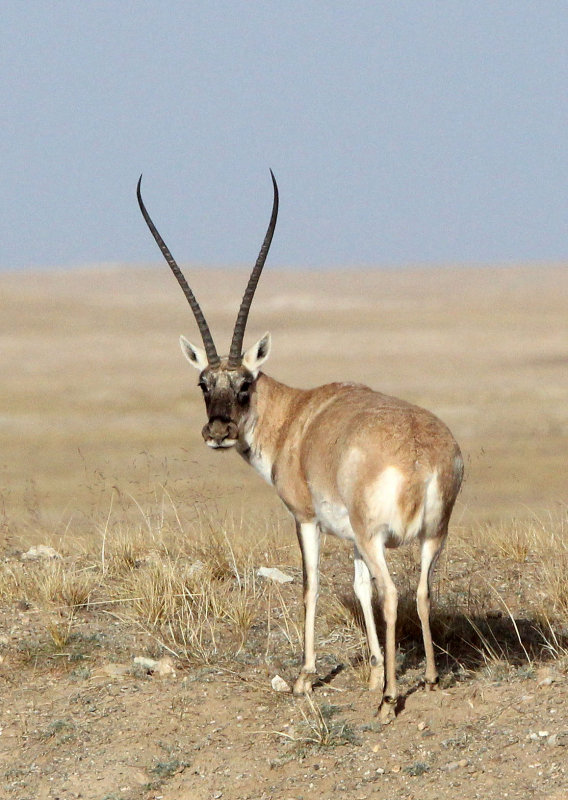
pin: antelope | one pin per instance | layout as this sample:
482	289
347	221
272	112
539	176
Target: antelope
344	459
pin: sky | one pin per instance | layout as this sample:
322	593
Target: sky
400	133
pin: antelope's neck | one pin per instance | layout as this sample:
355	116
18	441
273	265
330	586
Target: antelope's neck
266	424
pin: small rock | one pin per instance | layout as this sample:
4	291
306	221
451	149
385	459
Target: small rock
40	552
279	684
162	667
396	768
165	667
422	726
146	663
558	739
543	734
454	765
274	574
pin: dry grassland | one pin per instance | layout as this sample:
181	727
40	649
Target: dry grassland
160	539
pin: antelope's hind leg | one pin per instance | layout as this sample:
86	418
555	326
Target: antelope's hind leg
309	540
372	549
429	555
363	588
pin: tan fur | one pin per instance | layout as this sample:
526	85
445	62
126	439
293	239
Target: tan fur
309	434
366	467
350	461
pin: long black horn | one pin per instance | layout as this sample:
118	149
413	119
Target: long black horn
210	350
235	353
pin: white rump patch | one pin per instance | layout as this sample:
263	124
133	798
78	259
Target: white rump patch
384	510
433	504
382	502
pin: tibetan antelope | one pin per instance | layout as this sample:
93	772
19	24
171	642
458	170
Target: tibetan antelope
343	458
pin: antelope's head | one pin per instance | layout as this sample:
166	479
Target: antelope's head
228	382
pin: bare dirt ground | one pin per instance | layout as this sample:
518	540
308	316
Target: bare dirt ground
159	540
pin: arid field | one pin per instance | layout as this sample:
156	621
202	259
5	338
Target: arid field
157	540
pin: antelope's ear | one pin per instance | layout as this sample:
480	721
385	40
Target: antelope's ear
195	355
256	355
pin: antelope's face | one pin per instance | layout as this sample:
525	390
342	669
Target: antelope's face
227	383
227	390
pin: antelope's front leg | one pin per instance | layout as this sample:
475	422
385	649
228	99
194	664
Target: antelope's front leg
309	539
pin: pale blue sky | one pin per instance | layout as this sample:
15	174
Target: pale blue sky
399	132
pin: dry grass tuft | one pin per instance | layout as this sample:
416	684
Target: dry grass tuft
319	727
500	595
68	586
53	583
552	549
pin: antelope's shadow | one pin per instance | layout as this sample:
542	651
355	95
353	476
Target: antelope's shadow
465	642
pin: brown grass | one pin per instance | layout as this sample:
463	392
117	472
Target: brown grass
500	603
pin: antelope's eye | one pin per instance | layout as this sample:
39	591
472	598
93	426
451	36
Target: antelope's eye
243	395
203	386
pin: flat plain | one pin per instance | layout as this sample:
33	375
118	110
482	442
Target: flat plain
158	540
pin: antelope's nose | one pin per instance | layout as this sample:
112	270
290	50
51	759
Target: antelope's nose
220	431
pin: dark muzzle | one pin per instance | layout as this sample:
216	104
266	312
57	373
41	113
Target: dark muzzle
220	433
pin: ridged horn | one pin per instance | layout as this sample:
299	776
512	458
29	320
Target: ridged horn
208	342
235	353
